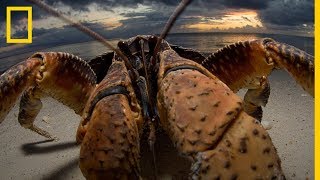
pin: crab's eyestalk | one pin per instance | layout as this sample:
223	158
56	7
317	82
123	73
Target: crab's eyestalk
297	62
177	12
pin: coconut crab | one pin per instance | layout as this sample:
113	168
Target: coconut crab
192	95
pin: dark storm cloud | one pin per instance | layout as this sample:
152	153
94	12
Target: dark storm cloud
147	16
79	5
83	4
108	4
67	34
153	22
37	12
247	4
289	12
273	13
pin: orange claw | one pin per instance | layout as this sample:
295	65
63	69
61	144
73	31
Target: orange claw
206	121
111	147
110	130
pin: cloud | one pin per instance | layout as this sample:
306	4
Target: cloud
247	4
37	12
289	12
130	19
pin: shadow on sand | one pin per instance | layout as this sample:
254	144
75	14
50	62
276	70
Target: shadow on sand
61	172
37	148
43	147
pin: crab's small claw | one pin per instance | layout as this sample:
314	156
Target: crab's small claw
62	76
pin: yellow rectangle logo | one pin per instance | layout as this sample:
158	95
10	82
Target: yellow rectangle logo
11	9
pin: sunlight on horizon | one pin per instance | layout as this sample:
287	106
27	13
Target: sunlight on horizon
230	20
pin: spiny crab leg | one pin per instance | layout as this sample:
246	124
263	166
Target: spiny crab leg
255	98
62	76
297	62
246	64
14	81
243	64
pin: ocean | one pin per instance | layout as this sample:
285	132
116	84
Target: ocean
204	42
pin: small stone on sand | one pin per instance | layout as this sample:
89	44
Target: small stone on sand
266	124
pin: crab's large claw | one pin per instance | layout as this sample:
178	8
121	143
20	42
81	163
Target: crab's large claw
205	120
110	130
248	64
62	76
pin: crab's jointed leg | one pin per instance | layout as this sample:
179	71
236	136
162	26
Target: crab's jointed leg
205	120
255	98
298	63
30	106
14	81
62	76
245	64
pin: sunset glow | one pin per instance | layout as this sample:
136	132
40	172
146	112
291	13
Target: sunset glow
111	23
136	17
229	21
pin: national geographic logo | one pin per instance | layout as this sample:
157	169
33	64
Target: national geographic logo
12	9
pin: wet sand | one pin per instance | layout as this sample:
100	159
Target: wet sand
26	155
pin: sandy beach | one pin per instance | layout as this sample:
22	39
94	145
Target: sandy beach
26	155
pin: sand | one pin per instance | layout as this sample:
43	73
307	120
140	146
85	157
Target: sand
26	155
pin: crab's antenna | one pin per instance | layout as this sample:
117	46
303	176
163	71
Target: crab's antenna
84	29
177	12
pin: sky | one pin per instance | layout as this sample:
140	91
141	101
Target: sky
125	18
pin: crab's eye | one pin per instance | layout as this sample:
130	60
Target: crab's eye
152	42
38	55
121	43
267	40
